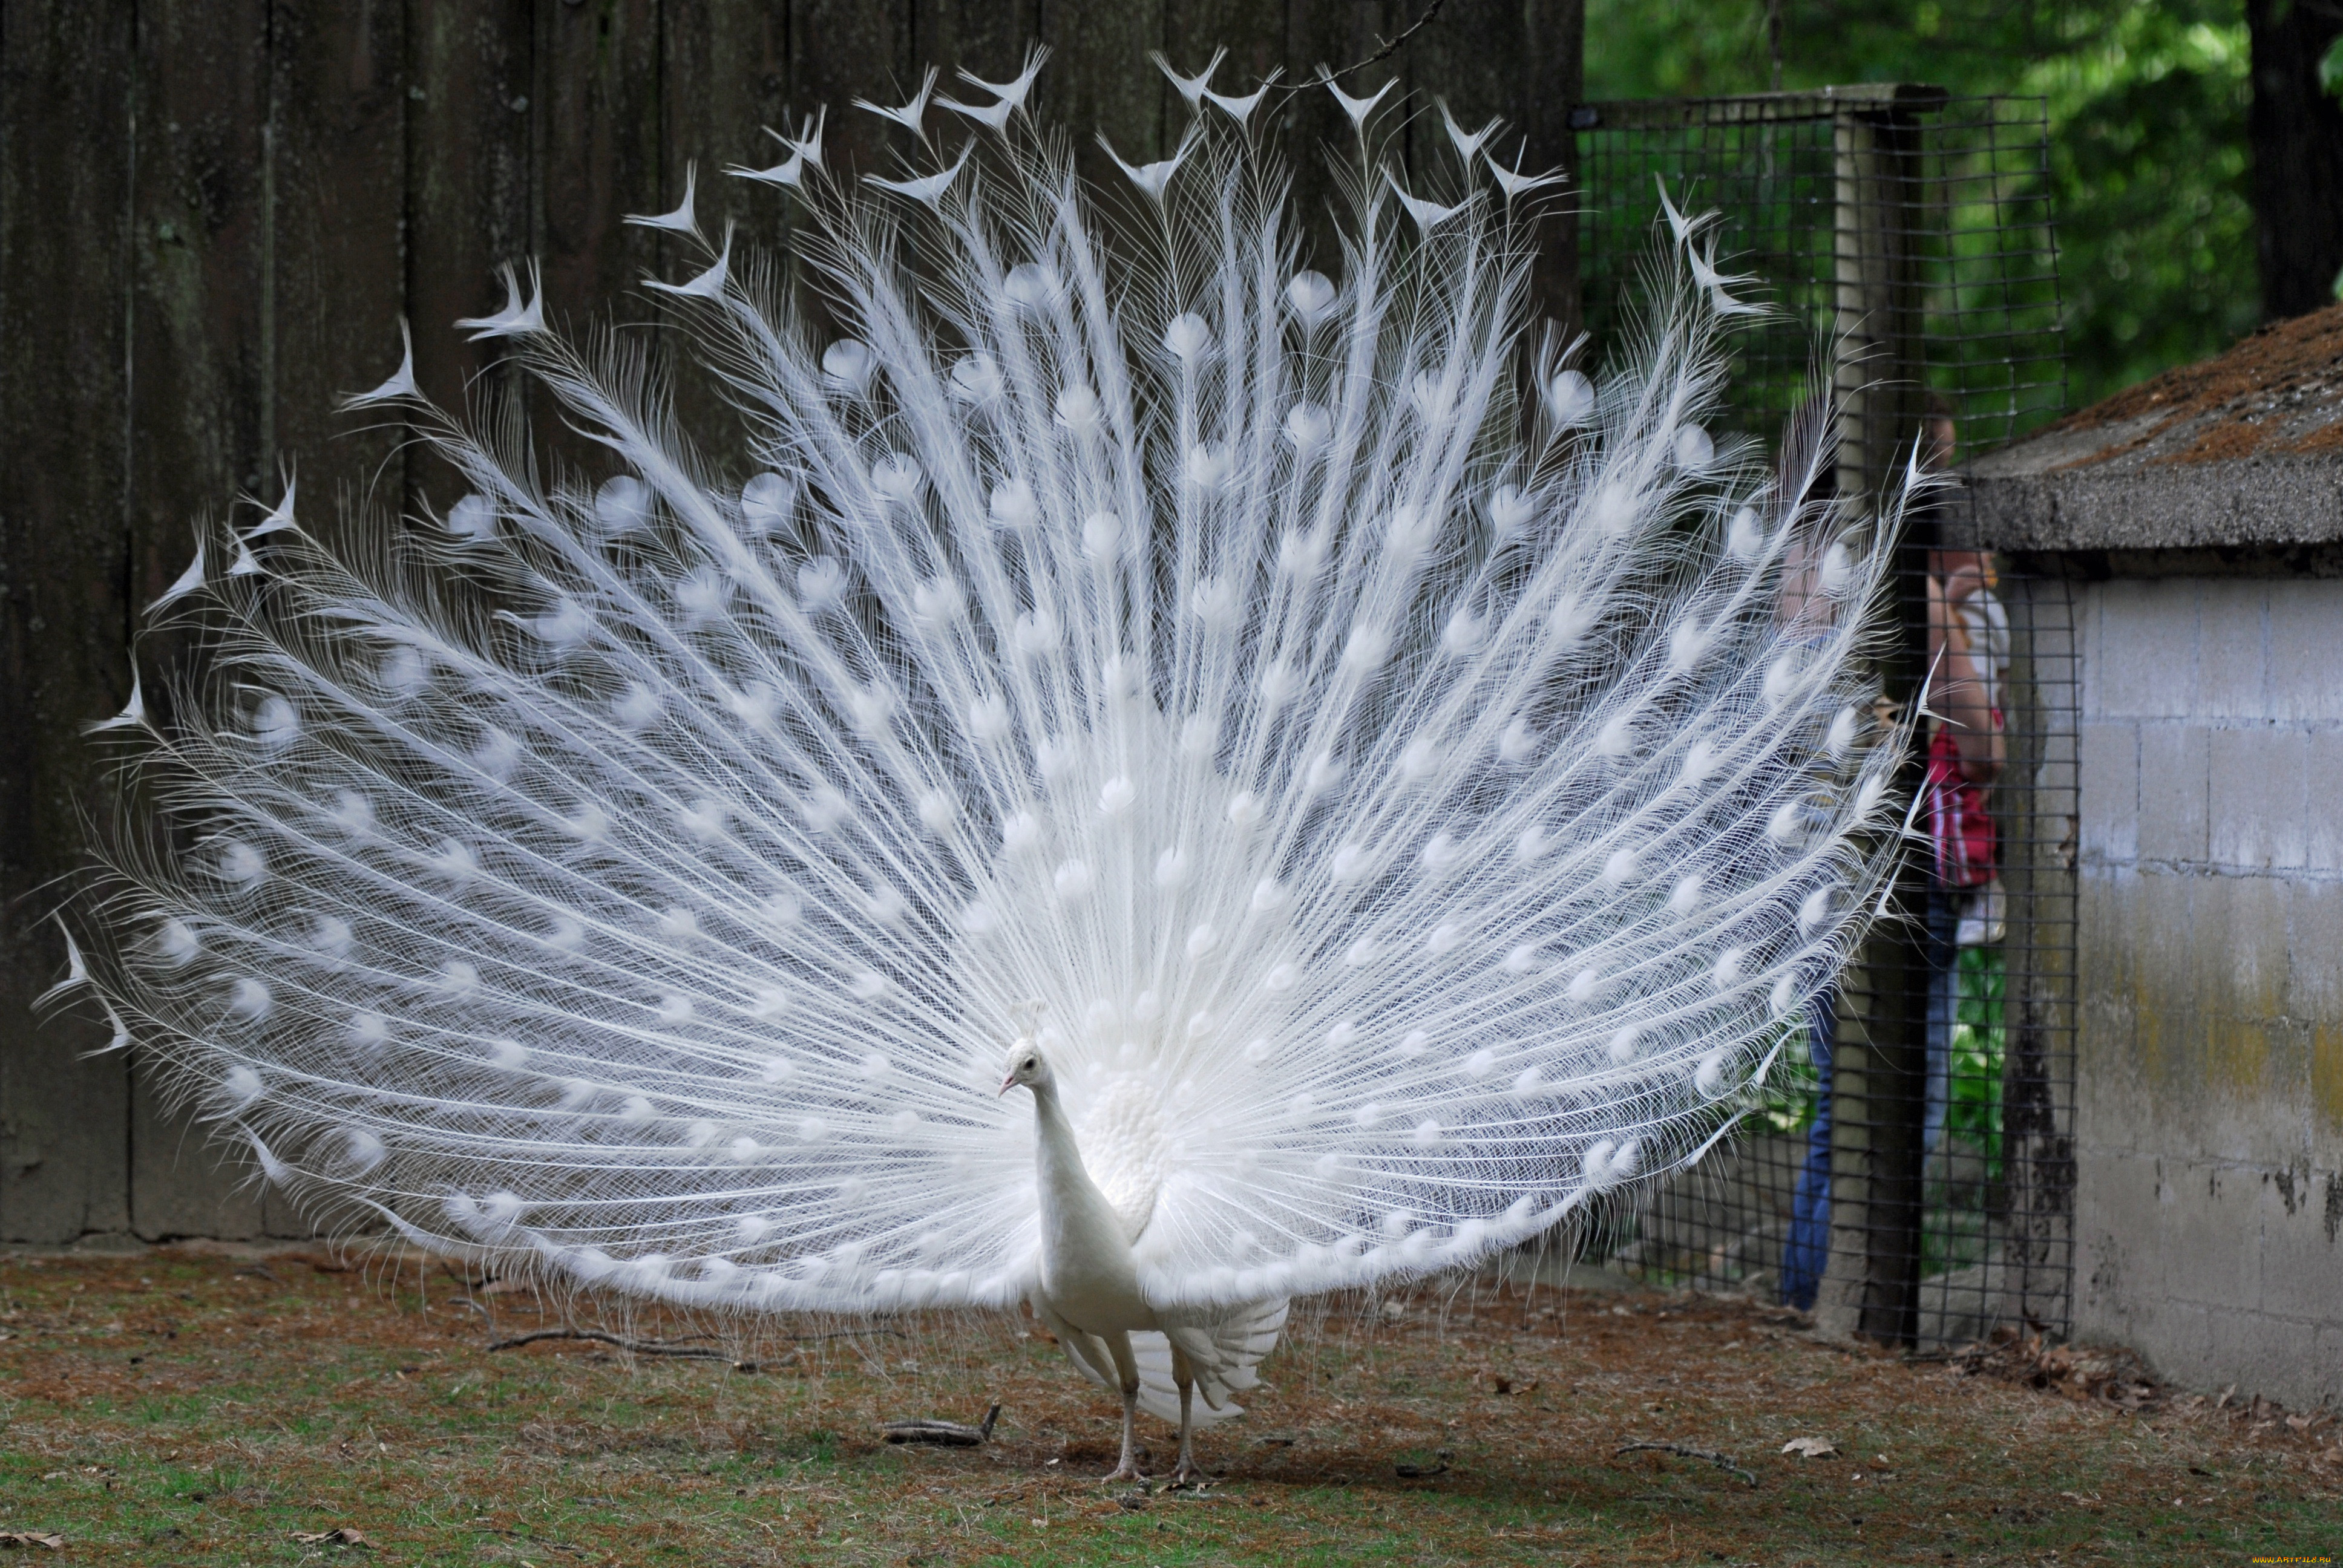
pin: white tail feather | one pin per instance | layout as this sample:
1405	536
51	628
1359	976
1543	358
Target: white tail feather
1435	777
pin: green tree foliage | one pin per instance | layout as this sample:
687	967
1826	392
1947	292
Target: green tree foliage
2148	129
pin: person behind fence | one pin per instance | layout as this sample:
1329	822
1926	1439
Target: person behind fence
1968	655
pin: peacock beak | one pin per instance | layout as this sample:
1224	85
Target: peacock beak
1008	1083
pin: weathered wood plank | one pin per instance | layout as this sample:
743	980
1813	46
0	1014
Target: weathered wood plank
1335	35
595	120
727	79
469	197
596	113
1521	64
64	80
337	267
337	245
1253	32
989	37
1554	80
198	401
841	50
1100	82
727	70
199	296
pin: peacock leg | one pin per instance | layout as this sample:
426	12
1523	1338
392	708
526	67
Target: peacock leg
1126	1367
1186	1470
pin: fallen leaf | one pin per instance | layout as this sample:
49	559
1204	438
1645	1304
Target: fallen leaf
342	1536
31	1538
1810	1447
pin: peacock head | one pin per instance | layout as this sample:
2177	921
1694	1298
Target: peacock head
1027	1067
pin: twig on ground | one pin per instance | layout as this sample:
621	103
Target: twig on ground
682	1349
943	1434
633	1347
1682	1451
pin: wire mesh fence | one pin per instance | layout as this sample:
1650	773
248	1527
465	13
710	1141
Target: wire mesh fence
1908	1176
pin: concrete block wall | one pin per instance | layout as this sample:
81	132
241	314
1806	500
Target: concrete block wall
2208	1119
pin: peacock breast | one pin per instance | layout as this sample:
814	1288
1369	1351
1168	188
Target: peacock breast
1126	1146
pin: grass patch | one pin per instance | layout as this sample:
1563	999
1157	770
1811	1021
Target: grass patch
188	1408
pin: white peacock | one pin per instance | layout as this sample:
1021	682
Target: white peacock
1381	750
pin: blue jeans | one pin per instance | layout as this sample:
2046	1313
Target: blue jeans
1809	1248
1943	992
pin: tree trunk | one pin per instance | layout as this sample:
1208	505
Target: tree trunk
2295	130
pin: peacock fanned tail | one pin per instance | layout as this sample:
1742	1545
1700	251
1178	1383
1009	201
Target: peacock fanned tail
1409	784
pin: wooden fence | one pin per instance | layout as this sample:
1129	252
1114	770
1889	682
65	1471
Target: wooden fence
214	214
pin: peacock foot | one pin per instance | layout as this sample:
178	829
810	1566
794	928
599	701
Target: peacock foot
1188	1472
1127	1471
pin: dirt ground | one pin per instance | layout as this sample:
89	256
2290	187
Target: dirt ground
199	1408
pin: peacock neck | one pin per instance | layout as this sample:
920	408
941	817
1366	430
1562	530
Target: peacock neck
1059	1156
1077	1207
